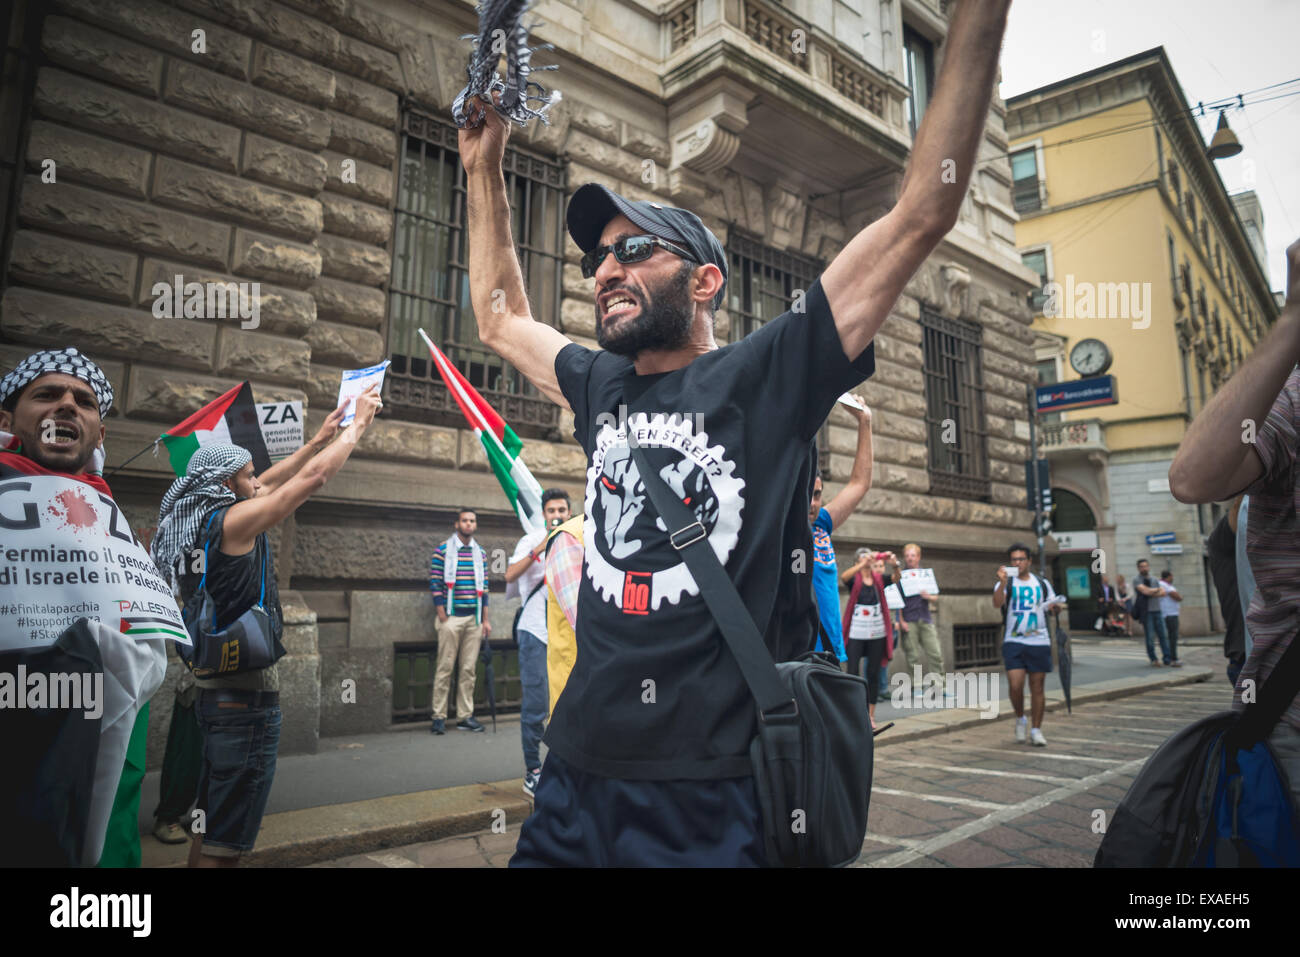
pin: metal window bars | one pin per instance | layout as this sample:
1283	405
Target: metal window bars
429	287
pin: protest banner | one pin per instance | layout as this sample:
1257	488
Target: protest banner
67	552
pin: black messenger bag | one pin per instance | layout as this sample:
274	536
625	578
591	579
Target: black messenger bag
812	755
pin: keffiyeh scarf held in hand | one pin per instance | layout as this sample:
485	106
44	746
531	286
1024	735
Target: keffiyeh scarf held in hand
501	30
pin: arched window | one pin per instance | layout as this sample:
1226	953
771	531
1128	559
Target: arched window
1071	513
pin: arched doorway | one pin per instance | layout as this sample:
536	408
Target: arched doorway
1074	525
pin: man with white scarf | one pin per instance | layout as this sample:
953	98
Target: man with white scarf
458	581
62	764
220	510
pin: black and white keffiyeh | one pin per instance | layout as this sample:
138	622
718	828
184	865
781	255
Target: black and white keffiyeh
66	361
501	30
188	503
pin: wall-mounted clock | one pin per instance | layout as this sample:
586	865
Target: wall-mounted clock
1090	357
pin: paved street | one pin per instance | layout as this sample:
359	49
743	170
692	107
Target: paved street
973	797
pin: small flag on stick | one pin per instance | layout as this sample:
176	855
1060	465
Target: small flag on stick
500	443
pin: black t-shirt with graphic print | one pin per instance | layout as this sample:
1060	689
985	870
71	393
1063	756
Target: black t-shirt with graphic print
655	693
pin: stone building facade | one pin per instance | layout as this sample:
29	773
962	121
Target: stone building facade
304	145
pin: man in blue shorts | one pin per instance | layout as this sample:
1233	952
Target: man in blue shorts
1025	600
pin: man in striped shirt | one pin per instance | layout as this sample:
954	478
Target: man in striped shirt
459	583
1245	440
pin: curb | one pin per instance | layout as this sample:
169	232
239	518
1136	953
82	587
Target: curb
938	721
311	835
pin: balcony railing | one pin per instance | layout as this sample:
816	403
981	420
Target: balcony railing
681	26
776	34
1084	436
857	86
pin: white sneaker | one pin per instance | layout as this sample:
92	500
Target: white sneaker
1036	738
1022	725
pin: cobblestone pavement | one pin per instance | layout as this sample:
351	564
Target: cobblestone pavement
971	798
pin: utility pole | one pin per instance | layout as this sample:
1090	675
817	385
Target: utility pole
1035	491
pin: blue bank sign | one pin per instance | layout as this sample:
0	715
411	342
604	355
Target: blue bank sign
1079	394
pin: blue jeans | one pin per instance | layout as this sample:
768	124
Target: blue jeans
1155	622
536	696
241	736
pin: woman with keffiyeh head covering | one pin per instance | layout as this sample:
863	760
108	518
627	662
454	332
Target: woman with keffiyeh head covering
221	509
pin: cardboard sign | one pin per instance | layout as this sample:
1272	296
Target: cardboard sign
913	581
356	381
67	552
867	622
893	597
281	425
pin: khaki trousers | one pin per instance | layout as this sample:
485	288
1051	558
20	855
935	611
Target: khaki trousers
458	636
922	638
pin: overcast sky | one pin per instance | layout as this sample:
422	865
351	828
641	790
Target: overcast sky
1217	50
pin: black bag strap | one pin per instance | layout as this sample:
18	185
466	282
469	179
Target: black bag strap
207	540
738	628
1273	698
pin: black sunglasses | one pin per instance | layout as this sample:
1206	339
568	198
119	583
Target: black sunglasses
633	249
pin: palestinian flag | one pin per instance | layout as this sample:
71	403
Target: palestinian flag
230	419
499	442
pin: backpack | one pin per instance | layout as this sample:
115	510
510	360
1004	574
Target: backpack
1213	794
519	612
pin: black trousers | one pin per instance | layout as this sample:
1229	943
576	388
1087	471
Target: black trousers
873	651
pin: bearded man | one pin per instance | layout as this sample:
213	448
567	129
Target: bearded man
649	745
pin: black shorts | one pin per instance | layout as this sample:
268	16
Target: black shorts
1031	658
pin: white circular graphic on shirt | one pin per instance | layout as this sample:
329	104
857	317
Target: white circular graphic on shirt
617	526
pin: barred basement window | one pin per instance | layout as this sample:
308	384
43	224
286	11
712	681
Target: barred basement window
762	283
954	407
976	646
429	288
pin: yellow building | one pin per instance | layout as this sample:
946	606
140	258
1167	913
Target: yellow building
1150	276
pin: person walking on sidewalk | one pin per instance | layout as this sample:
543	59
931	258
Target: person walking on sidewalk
458	579
526	576
220	509
1213	464
824	520
1146	609
1169	602
1026	643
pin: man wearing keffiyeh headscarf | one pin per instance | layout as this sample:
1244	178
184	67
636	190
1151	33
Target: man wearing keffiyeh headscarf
72	787
220	506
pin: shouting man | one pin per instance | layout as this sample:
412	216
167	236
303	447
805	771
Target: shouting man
648	758
64	768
